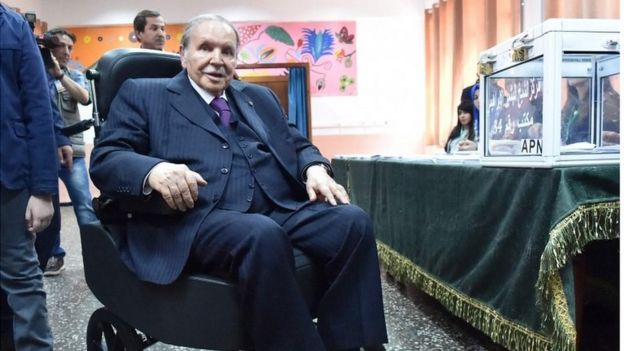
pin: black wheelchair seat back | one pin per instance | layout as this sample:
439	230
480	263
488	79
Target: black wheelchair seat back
115	66
197	310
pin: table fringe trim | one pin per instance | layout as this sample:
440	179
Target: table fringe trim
589	222
505	332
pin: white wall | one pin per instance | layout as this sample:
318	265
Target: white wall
35	6
532	13
85	12
390	82
390	44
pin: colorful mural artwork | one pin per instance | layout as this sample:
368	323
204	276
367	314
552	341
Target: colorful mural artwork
328	47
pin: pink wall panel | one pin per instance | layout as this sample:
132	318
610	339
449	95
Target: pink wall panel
329	48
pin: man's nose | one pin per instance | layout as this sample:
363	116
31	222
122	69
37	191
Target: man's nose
217	57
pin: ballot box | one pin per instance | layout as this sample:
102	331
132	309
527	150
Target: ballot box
550	96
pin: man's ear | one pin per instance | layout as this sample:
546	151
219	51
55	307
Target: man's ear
182	58
138	35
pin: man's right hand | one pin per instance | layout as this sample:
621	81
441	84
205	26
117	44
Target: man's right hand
39	212
66	156
177	184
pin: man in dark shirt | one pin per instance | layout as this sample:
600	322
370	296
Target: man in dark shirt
149	28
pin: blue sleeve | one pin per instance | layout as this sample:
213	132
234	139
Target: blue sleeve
37	115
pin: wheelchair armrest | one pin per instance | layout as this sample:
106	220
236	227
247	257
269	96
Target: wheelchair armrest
151	204
113	210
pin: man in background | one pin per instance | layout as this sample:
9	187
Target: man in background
149	28
28	180
68	87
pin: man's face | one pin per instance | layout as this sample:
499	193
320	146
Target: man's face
63	51
153	35
210	56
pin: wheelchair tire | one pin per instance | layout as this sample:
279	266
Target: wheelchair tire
106	332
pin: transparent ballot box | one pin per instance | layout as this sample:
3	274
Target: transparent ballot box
551	96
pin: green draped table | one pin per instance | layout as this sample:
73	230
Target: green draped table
493	245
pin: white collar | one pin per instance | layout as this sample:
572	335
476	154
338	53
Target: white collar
206	96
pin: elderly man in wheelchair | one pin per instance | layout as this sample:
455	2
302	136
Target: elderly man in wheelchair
242	189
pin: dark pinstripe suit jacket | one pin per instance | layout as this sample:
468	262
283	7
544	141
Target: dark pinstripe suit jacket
155	120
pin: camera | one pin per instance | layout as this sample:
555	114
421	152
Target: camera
44	41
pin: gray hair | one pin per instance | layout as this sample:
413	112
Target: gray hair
195	21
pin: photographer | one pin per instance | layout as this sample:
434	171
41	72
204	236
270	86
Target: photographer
69	87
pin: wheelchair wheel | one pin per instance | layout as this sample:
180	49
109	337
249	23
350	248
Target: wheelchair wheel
106	332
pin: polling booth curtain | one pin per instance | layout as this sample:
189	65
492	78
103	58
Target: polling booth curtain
297	100
456	31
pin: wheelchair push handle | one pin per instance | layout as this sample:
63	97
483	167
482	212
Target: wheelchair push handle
93	75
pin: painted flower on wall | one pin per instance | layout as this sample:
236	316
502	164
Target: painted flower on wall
317	44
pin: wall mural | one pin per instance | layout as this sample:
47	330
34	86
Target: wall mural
328	47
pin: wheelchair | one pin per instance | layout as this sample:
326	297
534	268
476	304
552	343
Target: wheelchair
197	310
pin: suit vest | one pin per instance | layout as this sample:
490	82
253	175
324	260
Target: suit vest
256	181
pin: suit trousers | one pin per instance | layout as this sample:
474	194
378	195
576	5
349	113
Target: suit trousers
256	249
20	276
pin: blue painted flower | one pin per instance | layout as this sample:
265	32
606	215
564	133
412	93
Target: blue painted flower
318	43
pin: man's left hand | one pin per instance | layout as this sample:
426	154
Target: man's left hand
320	186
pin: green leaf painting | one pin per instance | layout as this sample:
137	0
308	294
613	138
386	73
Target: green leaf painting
279	34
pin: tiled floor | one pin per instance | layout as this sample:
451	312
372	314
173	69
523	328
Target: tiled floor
416	324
